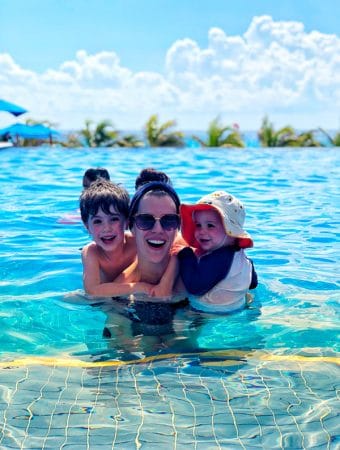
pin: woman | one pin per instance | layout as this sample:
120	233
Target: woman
154	221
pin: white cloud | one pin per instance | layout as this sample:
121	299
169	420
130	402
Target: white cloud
274	67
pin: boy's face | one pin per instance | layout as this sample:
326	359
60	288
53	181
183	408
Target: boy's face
209	230
106	230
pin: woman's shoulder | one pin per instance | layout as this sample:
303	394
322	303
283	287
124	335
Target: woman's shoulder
130	241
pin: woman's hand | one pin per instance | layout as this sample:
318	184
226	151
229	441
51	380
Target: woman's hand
160	291
144	288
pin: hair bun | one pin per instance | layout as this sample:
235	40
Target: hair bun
150	174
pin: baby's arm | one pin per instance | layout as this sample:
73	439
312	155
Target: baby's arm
199	275
165	286
93	285
254	281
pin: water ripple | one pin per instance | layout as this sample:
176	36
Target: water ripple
291	198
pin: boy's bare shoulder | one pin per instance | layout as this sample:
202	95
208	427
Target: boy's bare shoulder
89	249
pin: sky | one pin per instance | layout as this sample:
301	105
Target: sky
68	61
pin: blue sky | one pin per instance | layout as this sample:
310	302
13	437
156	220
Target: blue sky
69	60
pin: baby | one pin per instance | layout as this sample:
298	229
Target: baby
216	271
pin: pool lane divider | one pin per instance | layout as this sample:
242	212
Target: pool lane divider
209	358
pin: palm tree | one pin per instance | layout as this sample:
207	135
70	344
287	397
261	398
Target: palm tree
129	140
45	122
72	141
304	139
158	136
334	141
102	135
216	136
271	138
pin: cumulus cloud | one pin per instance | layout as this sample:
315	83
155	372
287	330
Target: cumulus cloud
274	67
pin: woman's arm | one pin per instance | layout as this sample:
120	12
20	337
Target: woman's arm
165	287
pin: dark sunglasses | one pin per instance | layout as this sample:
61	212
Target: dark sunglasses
147	221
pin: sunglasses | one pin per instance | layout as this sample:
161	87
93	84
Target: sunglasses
147	221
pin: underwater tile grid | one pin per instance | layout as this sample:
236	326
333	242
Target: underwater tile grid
244	401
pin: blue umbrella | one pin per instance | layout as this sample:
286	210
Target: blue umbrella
11	108
29	131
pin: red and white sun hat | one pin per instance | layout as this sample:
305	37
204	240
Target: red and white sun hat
230	209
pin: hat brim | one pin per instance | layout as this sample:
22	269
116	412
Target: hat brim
188	225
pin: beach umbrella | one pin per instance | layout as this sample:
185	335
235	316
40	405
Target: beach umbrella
29	132
11	108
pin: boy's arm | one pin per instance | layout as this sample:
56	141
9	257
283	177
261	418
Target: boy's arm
165	286
93	284
201	275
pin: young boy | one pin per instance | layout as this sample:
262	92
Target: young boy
216	270
104	208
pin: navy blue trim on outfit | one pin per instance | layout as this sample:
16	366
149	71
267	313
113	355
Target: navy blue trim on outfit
200	275
254	281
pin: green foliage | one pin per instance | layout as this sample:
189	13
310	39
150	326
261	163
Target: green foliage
101	135
72	141
305	139
285	137
160	136
35	142
271	138
216	136
45	122
130	141
334	141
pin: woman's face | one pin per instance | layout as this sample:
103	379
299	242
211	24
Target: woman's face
154	245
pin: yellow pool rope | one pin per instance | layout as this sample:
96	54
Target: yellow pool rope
231	357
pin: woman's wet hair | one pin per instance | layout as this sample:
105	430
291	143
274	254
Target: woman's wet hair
103	194
150	174
155	188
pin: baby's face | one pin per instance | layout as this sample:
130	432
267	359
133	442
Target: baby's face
209	230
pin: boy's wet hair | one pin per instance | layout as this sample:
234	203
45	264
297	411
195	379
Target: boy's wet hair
93	174
103	194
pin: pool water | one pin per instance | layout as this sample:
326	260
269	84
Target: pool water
280	354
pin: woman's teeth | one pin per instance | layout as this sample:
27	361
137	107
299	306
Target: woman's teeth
155	243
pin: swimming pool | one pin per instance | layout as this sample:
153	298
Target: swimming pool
73	374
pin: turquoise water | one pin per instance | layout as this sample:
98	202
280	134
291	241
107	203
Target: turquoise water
75	374
291	198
